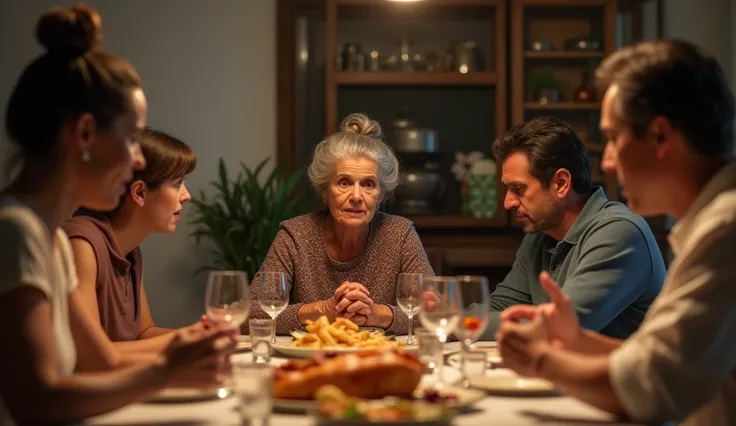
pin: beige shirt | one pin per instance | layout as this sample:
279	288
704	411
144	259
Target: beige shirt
28	256
681	364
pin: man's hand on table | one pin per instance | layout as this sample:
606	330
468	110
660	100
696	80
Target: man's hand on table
524	345
560	316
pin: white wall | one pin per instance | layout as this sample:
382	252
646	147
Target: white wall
710	24
209	71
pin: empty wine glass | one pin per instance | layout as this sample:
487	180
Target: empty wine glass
226	297
440	310
407	297
273	294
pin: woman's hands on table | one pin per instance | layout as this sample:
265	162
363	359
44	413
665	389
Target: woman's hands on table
199	355
355	304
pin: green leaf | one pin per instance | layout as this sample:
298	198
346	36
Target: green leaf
243	214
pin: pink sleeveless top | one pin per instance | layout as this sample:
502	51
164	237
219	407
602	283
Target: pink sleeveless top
119	276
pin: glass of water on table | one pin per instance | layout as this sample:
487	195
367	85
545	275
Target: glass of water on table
261	334
253	388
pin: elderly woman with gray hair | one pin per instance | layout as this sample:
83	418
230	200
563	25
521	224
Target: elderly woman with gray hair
344	260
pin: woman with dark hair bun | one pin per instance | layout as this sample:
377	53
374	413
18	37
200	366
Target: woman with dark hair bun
74	116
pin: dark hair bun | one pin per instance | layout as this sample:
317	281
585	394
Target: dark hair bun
362	125
70	31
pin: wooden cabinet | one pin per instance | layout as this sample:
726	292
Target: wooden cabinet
555	47
468	107
407	63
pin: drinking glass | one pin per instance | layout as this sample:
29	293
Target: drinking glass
407	297
476	309
261	333
273	294
226	297
440	310
253	388
429	349
472	363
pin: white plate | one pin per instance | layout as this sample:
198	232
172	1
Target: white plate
512	385
493	359
321	421
178	395
465	398
296	352
373	330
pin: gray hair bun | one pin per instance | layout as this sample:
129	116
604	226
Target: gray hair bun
362	125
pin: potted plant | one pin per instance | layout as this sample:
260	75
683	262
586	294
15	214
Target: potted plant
244	215
545	87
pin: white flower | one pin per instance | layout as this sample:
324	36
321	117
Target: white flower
473	157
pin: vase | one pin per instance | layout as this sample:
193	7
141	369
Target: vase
482	192
584	93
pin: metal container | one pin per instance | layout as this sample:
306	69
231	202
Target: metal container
583	44
540	46
405	136
419	191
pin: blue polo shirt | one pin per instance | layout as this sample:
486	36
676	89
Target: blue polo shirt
609	264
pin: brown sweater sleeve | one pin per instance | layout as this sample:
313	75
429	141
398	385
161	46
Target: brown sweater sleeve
280	258
413	259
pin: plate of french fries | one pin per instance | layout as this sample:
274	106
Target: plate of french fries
342	335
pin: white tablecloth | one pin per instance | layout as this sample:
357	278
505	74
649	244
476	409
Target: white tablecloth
492	410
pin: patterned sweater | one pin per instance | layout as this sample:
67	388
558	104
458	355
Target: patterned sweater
300	251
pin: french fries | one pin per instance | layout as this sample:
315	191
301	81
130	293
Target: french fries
342	333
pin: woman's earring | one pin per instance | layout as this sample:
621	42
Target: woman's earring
85	155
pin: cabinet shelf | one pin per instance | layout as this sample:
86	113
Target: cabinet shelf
433	2
563	55
563	106
414	78
422	222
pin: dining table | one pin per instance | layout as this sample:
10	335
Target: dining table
491	410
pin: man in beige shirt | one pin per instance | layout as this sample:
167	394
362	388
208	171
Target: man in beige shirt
667	115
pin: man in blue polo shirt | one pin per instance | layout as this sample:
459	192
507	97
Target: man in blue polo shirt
603	256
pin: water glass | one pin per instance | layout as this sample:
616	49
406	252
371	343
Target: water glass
253	389
429	349
261	334
472	363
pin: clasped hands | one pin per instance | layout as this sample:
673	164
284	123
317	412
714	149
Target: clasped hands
353	301
554	325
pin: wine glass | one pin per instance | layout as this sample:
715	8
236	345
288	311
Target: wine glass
226	297
273	294
407	297
475	316
440	310
476	309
